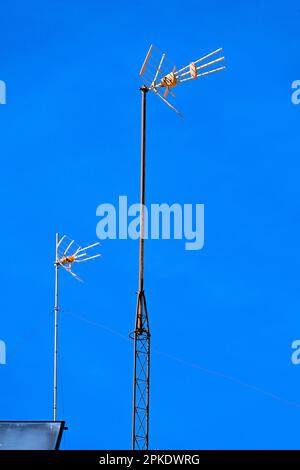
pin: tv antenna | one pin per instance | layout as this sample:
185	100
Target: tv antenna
67	252
161	77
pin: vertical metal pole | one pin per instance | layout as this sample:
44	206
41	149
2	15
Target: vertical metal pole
141	334
55	332
144	91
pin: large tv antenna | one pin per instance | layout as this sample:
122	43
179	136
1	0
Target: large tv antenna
161	77
67	252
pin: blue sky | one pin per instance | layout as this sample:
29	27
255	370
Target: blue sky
70	141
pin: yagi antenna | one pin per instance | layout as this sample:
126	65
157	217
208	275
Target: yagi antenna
67	253
161	76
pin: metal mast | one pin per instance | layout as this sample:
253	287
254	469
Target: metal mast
161	77
56	264
141	334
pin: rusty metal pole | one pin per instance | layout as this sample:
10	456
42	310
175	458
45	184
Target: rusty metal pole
142	200
141	334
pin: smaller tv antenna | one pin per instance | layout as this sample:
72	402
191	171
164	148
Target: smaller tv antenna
67	252
161	77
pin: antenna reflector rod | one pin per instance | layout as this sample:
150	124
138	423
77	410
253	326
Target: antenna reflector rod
146	60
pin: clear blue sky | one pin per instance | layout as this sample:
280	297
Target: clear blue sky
70	141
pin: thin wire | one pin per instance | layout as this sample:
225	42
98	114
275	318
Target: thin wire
167	355
228	377
194	365
99	325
